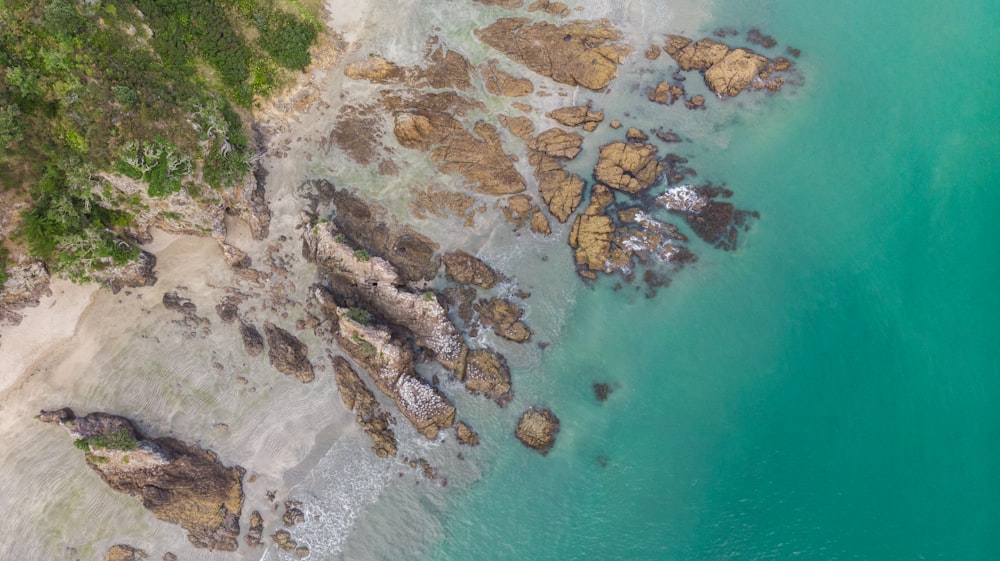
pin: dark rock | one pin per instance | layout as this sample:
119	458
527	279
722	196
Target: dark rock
601	391
466	435
504	316
464	268
359	399
256	531
293	514
253	342
287	354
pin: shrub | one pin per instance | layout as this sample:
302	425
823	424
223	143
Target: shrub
367	348
359	315
362	255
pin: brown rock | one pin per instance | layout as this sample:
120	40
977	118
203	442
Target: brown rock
123	552
635	135
375	69
558	143
653	52
358	398
559	189
235	257
616	124
445	69
357	132
287	354
576	53
466	435
734	72
283	540
627	167
666	94
520	126
480	159
179	483
507	4
293	514
576	115
464	268
486	372
537	429
696	102
540	224
554	8
256	531
499	82
699	56
591	234
504	316
675	43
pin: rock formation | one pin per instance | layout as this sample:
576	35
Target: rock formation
253	342
577	115
504	316
125	552
727	71
359	399
499	82
466	435
537	429
629	167
256	531
179	483
464	268
287	354
585	53
486	373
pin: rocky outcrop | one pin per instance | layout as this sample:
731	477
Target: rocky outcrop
26	285
253	342
585	53
537	429
560	190
549	7
629	167
557	143
464	268
375	69
486	373
502	83
727	71
359	399
716	222
287	354
590	236
369	226
389	362
734	72
125	552
504	316
360	280
577	115
666	93
466	435
480	159
507	4
256	532
179	483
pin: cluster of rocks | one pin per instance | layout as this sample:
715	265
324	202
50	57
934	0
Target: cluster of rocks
728	71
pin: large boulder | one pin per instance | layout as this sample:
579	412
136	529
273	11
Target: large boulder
179	483
505	318
537	429
486	372
629	167
287	354
735	72
464	268
585	53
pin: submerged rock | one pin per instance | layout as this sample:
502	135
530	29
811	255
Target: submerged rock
178	482
585	53
537	429
287	354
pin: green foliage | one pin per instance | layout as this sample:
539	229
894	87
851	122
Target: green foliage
359	315
428	296
10	125
3	267
82	444
287	39
118	439
362	255
367	348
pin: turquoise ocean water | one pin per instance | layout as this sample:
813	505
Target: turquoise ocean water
832	389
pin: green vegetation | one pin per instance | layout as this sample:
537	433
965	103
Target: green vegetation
428	296
367	348
359	315
362	255
118	439
149	89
